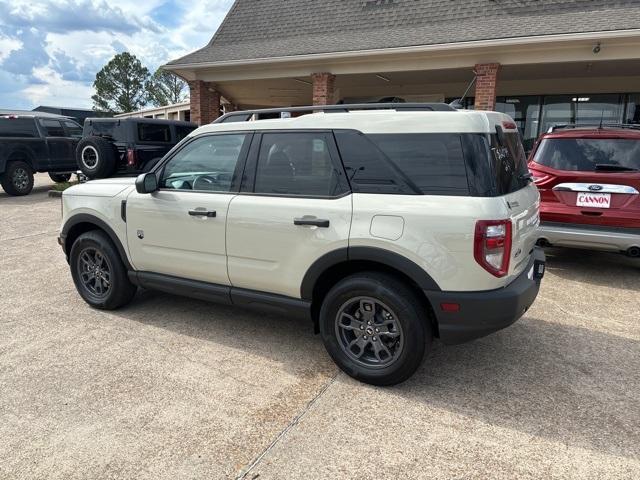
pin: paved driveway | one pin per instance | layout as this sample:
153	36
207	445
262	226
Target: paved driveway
180	389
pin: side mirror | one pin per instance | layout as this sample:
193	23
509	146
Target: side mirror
147	183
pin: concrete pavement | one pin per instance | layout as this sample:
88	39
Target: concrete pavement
180	389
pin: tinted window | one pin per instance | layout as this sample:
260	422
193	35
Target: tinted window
151	132
509	162
434	163
17	127
207	163
368	169
73	128
53	128
584	154
296	164
183	132
105	129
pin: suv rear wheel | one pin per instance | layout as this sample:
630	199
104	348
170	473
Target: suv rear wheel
17	179
96	158
98	272
375	328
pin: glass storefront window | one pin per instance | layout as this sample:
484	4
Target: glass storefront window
593	109
557	110
525	111
633	109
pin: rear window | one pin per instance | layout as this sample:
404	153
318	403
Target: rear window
152	132
509	162
588	154
18	127
105	129
183	132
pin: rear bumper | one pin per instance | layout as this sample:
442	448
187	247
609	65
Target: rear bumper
589	236
482	313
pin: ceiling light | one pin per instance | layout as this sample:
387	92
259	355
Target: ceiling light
382	77
302	81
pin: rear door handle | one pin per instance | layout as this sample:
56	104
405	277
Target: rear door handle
313	221
202	213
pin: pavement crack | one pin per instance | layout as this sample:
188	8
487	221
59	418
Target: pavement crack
28	236
285	430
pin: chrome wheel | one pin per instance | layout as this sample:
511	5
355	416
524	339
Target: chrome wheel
94	272
89	157
20	179
369	332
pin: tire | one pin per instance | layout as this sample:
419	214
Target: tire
96	157
17	180
91	283
405	331
60	177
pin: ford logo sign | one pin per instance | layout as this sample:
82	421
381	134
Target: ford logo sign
595	188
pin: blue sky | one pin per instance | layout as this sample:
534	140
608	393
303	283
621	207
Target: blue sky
50	50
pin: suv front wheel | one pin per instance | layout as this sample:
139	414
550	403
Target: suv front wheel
18	178
375	328
98	272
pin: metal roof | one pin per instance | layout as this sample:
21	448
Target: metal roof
255	29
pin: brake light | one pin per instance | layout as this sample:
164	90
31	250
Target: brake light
509	126
131	157
492	246
539	177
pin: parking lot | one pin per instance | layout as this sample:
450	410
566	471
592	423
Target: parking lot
176	388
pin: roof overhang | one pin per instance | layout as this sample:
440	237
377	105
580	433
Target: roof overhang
616	45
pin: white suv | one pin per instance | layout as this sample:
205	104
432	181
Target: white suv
385	227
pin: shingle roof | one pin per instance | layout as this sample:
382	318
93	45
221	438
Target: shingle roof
277	28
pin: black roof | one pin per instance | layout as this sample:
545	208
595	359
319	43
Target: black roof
272	28
159	121
33	114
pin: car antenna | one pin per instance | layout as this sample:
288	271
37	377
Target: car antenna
601	120
459	103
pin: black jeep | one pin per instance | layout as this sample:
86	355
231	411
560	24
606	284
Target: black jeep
127	145
36	142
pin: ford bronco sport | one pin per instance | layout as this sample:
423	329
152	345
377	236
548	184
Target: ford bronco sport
386	228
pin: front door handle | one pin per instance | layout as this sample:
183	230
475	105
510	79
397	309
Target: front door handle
202	213
313	221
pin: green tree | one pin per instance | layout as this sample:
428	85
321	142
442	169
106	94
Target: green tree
120	85
165	88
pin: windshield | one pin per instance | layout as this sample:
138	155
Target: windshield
589	154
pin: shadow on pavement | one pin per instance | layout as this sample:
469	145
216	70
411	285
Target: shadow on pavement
569	384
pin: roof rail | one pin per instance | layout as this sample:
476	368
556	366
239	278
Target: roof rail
593	125
246	115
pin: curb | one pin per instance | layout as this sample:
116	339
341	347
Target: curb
55	193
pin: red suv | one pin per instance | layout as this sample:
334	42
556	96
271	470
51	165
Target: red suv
589	182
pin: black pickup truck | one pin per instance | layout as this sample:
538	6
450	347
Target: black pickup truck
126	145
36	142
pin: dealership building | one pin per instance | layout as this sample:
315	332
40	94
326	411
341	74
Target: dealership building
544	62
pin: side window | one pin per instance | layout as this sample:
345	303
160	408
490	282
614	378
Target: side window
297	164
53	128
17	127
73	128
153	132
368	169
434	162
207	163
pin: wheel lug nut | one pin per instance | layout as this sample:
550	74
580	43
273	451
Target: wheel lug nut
361	327
377	330
375	339
365	337
369	323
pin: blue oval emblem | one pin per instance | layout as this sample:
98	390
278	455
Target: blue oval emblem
595	188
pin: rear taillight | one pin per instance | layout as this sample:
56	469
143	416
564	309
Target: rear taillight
539	177
131	157
492	246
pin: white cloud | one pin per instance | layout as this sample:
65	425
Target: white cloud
54	48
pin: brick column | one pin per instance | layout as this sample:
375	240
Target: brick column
486	85
205	102
324	88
